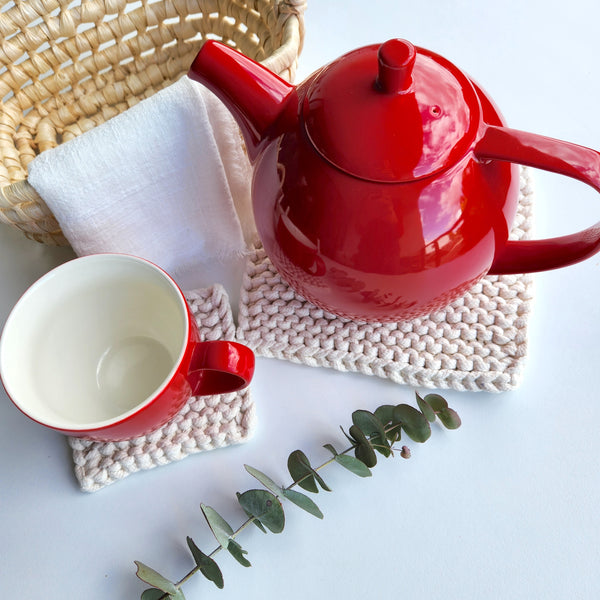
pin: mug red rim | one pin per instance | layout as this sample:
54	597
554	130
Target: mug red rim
99	426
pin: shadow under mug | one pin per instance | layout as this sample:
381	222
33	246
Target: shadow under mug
105	347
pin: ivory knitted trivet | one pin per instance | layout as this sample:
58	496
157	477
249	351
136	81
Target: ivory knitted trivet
205	423
479	342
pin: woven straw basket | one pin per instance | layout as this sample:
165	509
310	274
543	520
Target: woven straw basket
67	66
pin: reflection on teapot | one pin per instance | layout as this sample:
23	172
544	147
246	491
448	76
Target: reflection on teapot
385	185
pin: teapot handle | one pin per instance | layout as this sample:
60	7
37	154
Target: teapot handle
560	157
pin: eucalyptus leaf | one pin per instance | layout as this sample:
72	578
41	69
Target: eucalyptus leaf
264	479
258	523
255	521
152	594
303	473
369	434
331	449
265	507
449	418
155	579
425	408
321	482
353	464
220	528
364	450
238	553
413	422
385	414
208	567
347	436
373	429
366	455
436	402
303	501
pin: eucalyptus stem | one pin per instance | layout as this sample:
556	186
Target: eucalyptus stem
216	551
370	434
248	522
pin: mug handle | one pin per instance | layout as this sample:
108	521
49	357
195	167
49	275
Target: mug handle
220	367
564	158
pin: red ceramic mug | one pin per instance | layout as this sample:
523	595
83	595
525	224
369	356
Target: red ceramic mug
105	347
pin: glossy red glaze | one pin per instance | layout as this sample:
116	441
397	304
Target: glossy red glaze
220	367
553	155
206	368
390	123
202	368
384	184
396	59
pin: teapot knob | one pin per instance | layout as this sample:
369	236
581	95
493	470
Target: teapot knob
396	61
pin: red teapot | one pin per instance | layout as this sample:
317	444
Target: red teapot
386	183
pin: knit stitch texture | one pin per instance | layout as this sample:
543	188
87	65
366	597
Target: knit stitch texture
479	342
205	423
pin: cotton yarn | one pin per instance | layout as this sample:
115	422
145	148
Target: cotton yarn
205	423
479	342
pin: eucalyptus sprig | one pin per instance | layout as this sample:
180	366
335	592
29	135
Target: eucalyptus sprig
371	433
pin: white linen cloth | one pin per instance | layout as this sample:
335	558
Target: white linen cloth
167	180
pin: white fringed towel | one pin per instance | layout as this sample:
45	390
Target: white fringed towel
167	180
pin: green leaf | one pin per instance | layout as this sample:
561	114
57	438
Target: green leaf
265	507
264	479
363	451
208	567
353	464
238	553
303	501
385	414
413	422
449	418
352	441
373	429
255	521
321	482
425	408
155	579
331	449
436	402
152	594
303	474
220	528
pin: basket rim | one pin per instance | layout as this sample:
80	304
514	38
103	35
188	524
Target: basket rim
22	207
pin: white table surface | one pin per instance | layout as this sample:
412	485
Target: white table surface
503	508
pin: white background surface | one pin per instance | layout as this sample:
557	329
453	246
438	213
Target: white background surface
503	508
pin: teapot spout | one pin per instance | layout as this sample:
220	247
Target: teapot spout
255	96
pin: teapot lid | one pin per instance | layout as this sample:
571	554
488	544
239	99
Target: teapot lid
391	112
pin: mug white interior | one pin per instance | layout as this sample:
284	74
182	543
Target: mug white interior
93	340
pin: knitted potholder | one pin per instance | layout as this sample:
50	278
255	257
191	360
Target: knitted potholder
205	423
479	342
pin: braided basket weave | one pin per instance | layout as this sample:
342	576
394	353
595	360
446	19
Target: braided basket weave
67	67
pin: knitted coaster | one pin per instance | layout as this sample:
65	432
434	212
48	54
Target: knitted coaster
205	423
479	342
